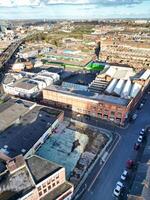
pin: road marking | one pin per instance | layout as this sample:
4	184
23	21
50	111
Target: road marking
104	164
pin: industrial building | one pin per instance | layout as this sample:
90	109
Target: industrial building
25	126
68	58
112	95
26	84
34	179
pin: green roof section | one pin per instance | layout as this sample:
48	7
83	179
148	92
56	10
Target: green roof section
95	66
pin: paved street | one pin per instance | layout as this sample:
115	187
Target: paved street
100	184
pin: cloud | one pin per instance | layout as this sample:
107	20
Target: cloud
73	9
16	3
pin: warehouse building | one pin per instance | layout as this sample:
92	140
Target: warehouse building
25	126
112	95
28	85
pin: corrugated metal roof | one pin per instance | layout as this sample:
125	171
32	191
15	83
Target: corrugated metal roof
111	86
135	89
145	75
126	90
119	87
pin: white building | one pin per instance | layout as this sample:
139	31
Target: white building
26	84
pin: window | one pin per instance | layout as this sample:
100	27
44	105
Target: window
119	115
45	190
49	187
40	193
99	114
112	113
53	184
57	182
44	185
39	188
57	177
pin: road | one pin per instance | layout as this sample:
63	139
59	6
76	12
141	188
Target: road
8	52
100	184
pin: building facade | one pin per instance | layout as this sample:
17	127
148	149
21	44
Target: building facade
86	106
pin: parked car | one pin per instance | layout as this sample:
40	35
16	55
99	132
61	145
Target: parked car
140	138
136	146
142	133
124	175
130	164
118	189
143	130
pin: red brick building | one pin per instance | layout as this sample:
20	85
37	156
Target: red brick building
113	106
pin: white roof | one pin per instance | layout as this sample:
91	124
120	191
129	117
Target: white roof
119	86
111	71
145	75
18	65
135	89
119	72
111	86
126	90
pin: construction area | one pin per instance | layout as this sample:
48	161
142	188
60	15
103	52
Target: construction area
75	147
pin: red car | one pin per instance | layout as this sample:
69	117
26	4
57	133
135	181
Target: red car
130	164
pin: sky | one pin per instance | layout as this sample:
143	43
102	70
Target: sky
74	9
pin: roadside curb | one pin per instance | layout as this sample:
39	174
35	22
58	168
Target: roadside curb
110	135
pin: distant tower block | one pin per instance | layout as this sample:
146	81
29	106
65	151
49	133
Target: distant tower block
97	50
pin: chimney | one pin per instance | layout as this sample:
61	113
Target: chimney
15	164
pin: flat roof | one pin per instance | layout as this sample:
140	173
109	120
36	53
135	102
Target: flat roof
54	194
25	84
91	96
14	186
26	132
41	168
81	78
11	110
9	195
58	148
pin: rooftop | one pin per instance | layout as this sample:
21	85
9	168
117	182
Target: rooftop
91	96
58	148
11	110
119	72
81	78
23	134
25	84
54	194
41	168
13	186
22	175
